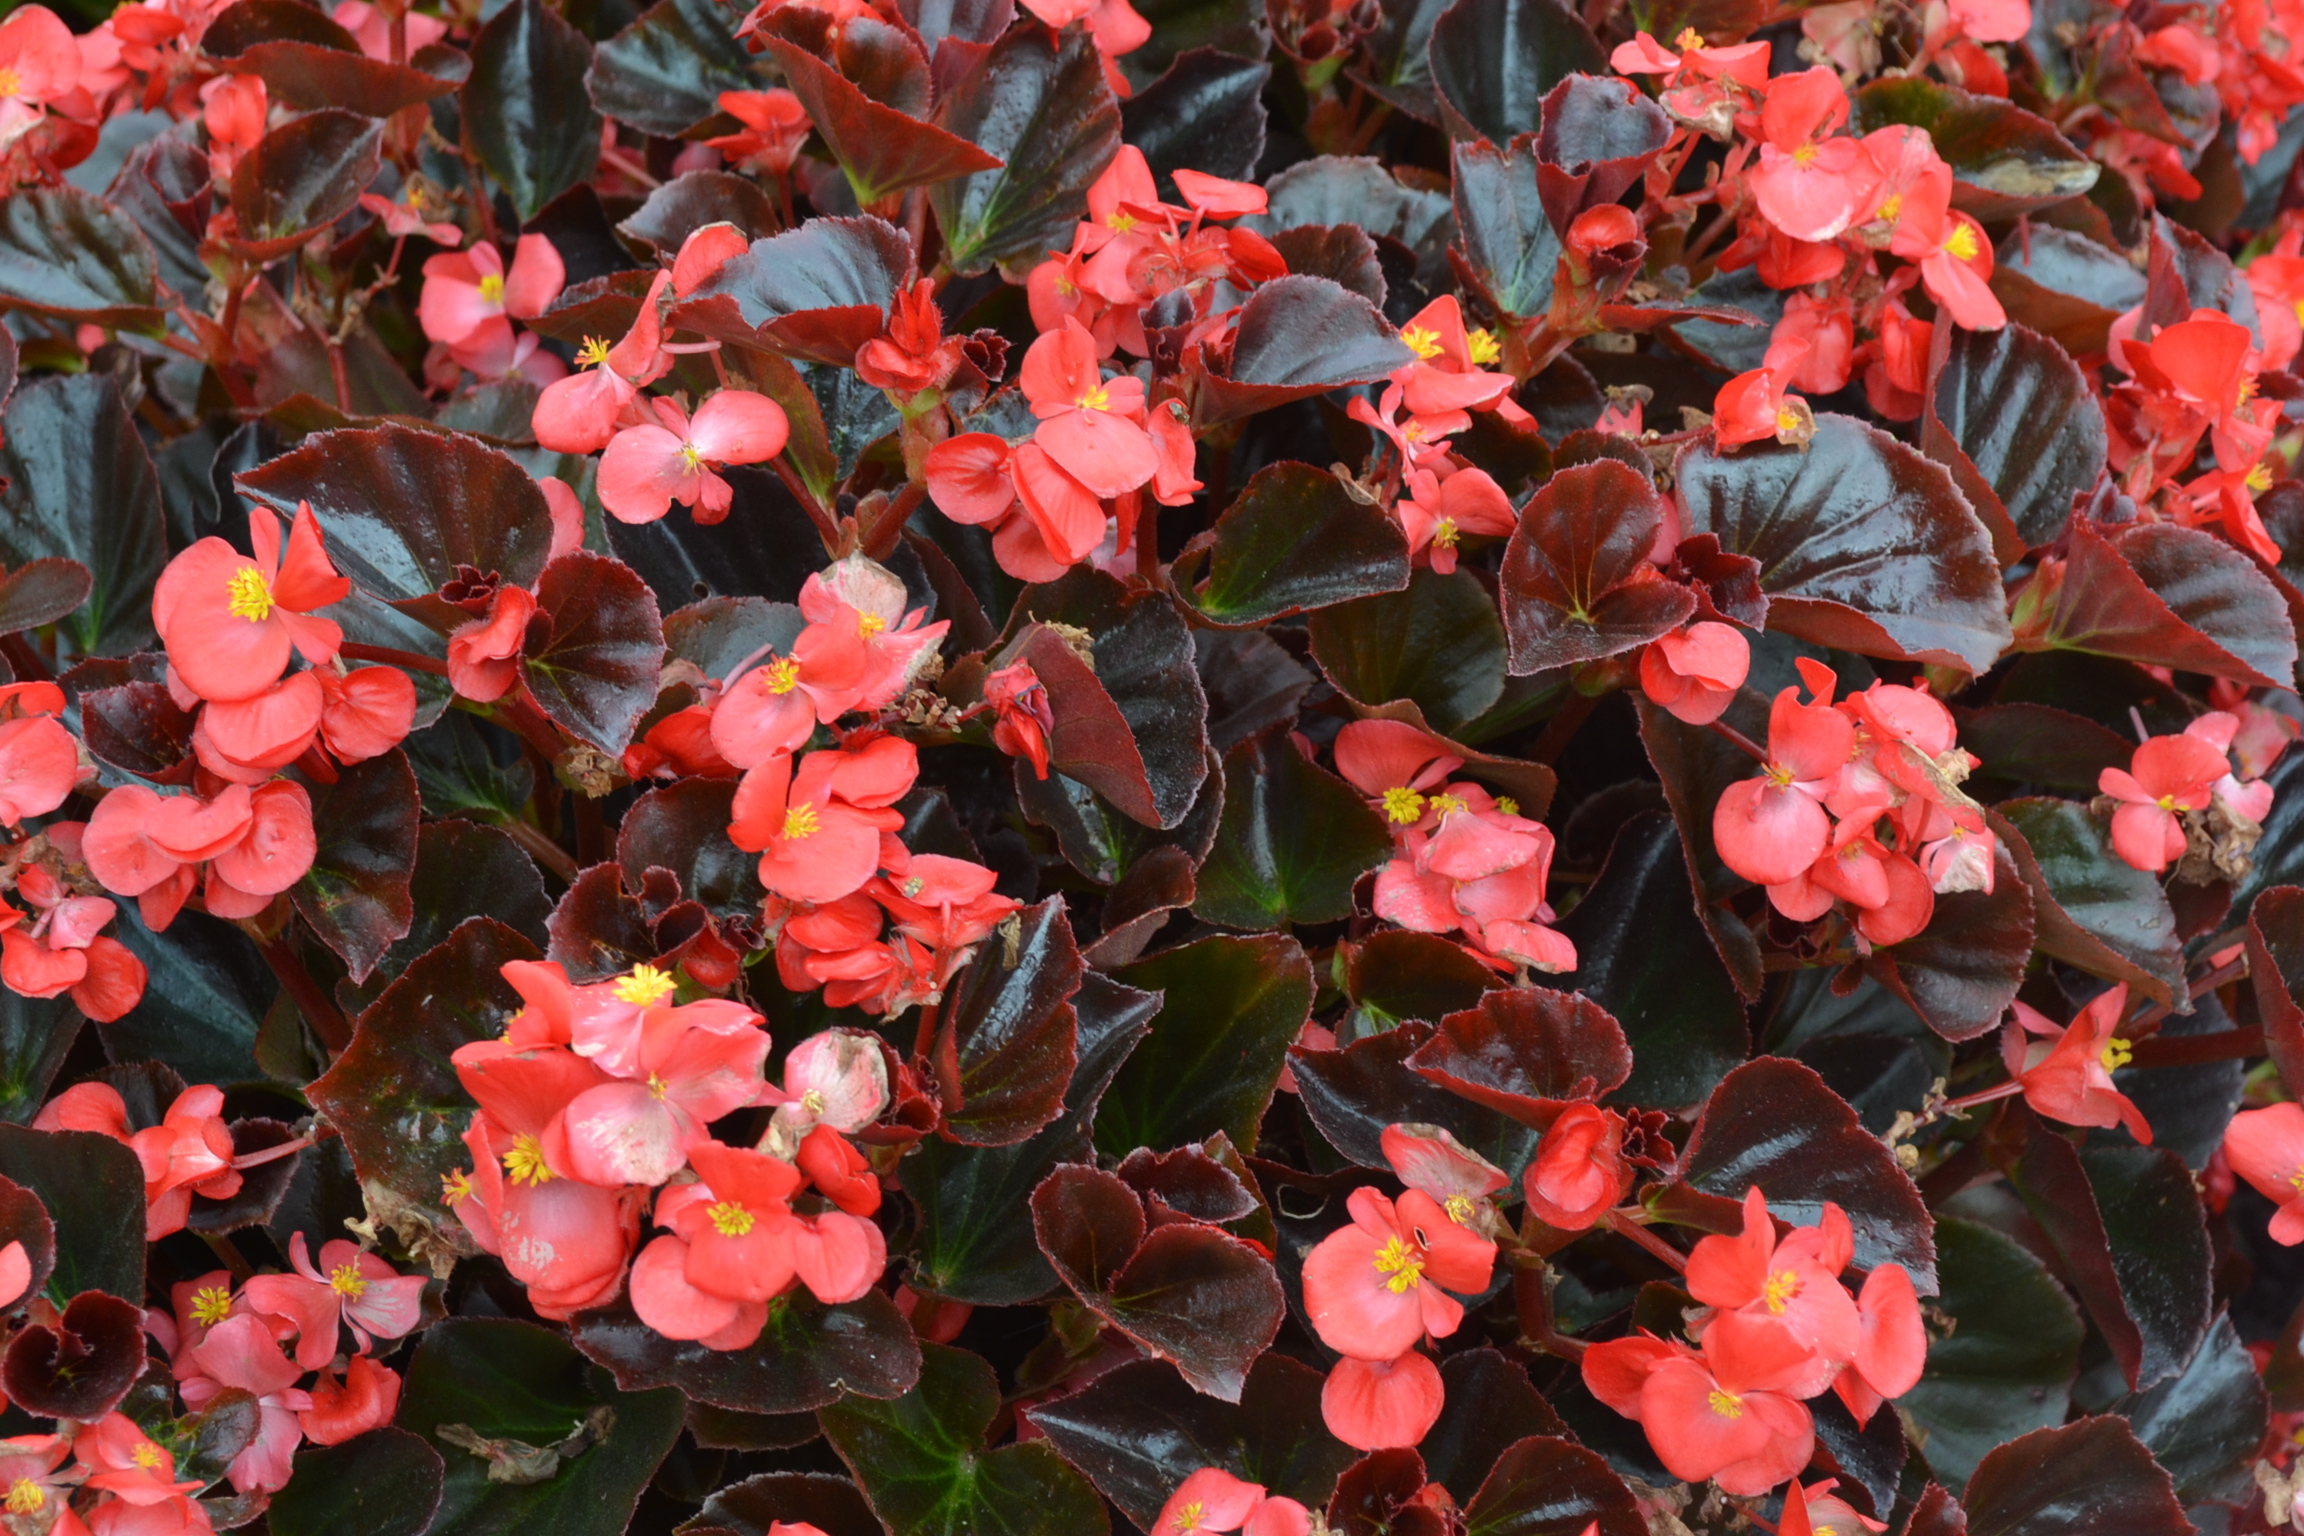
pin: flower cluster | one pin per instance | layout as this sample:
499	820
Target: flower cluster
2179	798
1778	1327
1464	861
471	298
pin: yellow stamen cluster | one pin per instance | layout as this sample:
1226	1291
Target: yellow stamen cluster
525	1162
1459	1208
211	1305
147	1455
1422	341
730	1219
1727	1404
1508	805
1781	1287
1444	805
1097	399
10	82
870	624
645	987
1483	347
1892	209
248	595
800	821
2116	1054
346	1280
1806	154
455	1188
1403	805
1961	243
26	1497
593	354
1402	1266
780	676
491	289
1445	533
657	1087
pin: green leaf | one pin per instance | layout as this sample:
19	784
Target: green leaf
461	772
393	1094
1494	60
386	1482
525	111
1438	645
1684	1021
2093	909
76	483
1230	1009
206	992
357	894
664	73
1293	842
36	1034
924	1468
67	253
93	1188
1044	111
1295	540
2005	1363
508	1380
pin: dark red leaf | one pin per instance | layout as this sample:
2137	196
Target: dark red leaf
2090	907
1296	336
882	149
598	673
1297	539
356	895
80	1367
2164	596
1527	1052
1549	1486
816	293
1354	1093
1961	972
1006	1038
301	177
1576	583
2074	1480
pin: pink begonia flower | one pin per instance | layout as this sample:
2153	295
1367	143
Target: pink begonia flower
351	1285
240	1353
580	413
466	290
651	466
39	62
693	1065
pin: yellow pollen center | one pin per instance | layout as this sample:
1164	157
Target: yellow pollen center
2166	802
1892	208
2298	306
1782	1286
645	987
147	1455
914	886
211	1305
1403	805
1122	221
1445	533
455	1188
1459	1208
1961	244
593	354
780	676
1508	805
870	624
800	820
346	1280
1787	419
1424	343
26	1497
1778	775
2116	1054
730	1219
1188	1518
657	1087
1483	348
1806	154
1689	40
1097	399
525	1162
813	1101
690	459
1401	1263
248	595
1443	805
491	289
2296	1179
1413	432
10	82
1727	1404
2259	477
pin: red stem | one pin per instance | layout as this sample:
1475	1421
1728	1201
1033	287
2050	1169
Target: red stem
353	650
1625	1224
326	1020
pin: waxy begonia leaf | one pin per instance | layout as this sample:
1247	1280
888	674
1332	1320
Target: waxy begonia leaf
2005	1363
76	484
597	674
36	1034
922	1462
42	592
1298	539
1187	1292
1493	62
1297	336
683	827
1549	1486
1576	582
1339	189
1100	841
1342	253
690	201
525	113
513	1381
394	1097
307	61
1143	745
386	1482
973	21
1399	66
2066	286
2276	975
303	176
883	150
1864	544
1212	1061
463	869
1490	1407
2204	1423
462	770
1205	114
206	991
972	1246
137	728
80	1366
1398	974
664	73
1961	972
1354	1093
2043	745
1868	1459
2162	595
815	293
2091	1475
1773	1123
1599	136
1039	107
598	928
1684	1021
751	1507
67	253
1294	841
808	1355
2013	418
93	1190
2279	857
1526	1052
402	509
2005	161
1140	1430
2092	908
1007	1039
356	894
1439	645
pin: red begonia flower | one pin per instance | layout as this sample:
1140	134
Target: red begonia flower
2067	1071
1092	427
341	1410
2266	1147
1770	829
649	467
1377	1288
1695	672
229	622
1579	1169
1808	185
1374	1405
2168	774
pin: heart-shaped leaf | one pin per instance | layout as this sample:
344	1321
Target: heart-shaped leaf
1490	1407
1296	540
2013	418
1599	137
808	1355
206	992
1493	62
1961	972
2093	1475
1212	1061
1527	1052
93	1189
525	113
1509	249
598	673
1352	1095
386	1482
1205	113
1864	544
80	1366
2162	595
1439	645
76	484
499	1380
883	150
1296	336
683	827
463	869
1040	107
1576	582
1294	841
68	253
303	176
356	895
1396	974
1006	1038
1548	1486
922	1462
307	61
664	73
